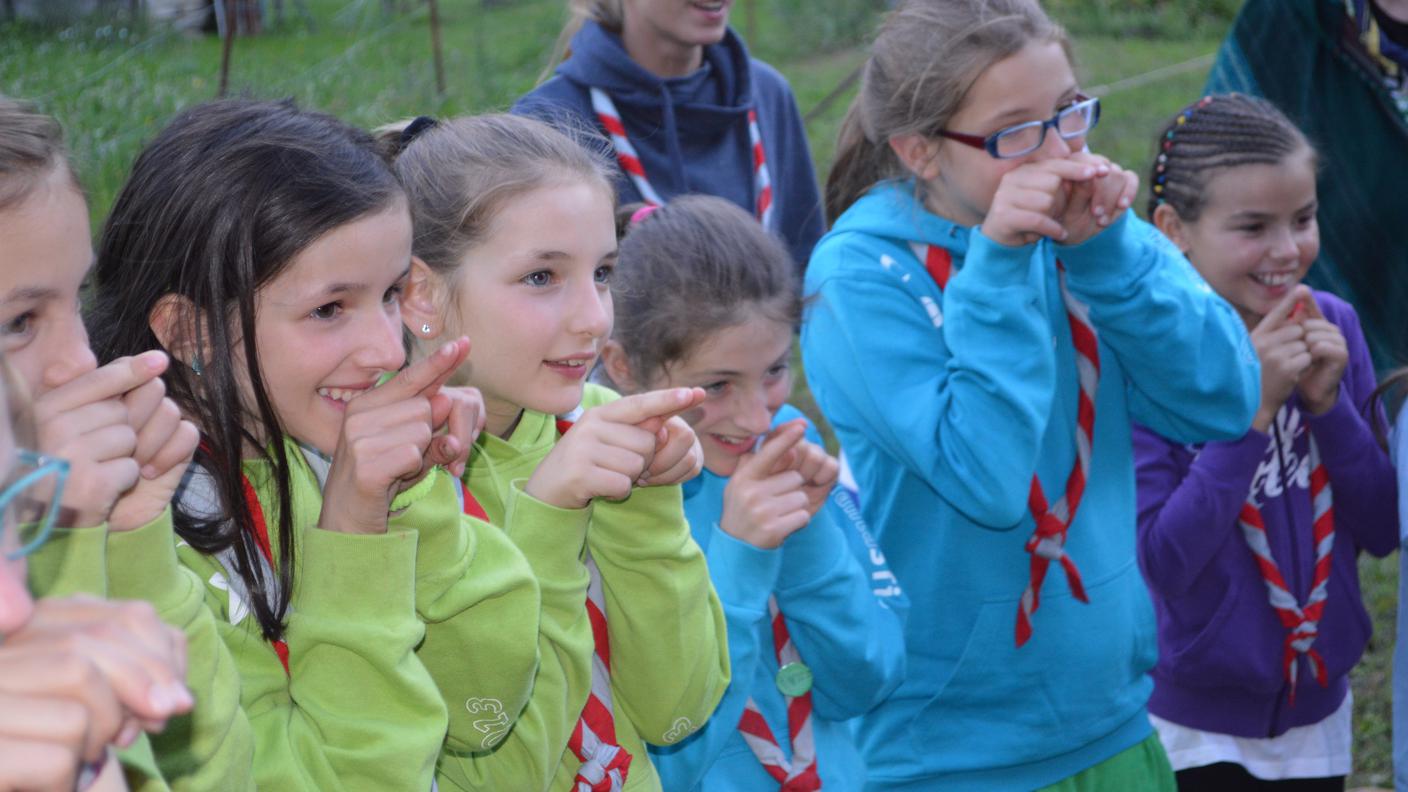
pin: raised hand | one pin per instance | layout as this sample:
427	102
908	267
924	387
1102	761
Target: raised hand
1319	385
1281	346
86	421
388	441
165	444
1031	197
1093	204
80	675
612	447
678	456
819	472
765	500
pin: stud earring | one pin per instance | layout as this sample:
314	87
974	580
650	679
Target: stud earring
196	366
425	329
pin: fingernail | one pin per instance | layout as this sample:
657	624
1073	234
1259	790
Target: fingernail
154	360
447	349
160	698
148	472
128	735
183	696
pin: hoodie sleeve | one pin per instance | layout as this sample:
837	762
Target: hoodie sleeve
669	651
927	387
1188	508
551	540
1360	472
211	747
743	576
479	603
1204	383
850	638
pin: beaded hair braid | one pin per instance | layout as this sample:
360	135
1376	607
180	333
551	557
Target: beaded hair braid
1220	131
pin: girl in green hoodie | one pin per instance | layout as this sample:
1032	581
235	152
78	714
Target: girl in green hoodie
364	622
515	241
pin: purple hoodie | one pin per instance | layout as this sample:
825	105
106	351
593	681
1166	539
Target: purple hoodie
1220	662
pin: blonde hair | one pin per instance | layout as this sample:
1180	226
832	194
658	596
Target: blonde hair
610	14
458	174
31	147
925	58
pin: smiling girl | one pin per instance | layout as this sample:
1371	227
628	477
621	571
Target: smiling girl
708	299
515	247
362	613
685	110
987	317
1250	546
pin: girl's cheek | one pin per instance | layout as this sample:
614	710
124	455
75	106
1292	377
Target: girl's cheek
16	604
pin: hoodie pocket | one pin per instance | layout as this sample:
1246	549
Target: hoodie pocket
1081	675
1345	628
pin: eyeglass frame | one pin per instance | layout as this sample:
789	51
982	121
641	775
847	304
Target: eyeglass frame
989	143
42	466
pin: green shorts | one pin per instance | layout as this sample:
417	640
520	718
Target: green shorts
1141	768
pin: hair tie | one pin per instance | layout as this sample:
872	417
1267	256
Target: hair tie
413	129
639	215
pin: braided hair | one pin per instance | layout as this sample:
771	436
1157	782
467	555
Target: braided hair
1219	131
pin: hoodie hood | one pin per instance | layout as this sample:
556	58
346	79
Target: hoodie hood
704	105
891	209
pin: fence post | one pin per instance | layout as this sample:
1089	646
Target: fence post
225	50
435	46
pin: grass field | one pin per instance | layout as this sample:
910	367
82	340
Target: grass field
113	85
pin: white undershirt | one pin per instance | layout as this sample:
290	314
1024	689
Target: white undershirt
1317	750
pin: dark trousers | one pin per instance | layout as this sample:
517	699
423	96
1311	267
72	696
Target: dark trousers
1229	777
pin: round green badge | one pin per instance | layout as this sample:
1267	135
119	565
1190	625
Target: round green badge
794	679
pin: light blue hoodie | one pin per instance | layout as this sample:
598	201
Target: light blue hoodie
947	403
848	635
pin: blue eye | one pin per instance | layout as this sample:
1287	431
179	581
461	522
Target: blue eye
715	388
328	311
539	278
604	273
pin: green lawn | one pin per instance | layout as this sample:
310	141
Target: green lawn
113	85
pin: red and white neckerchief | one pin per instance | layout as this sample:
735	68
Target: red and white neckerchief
1302	622
1053	520
629	160
605	764
261	533
800	774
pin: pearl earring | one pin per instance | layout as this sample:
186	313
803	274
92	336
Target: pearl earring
425	329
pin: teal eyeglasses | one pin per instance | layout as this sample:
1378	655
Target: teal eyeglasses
30	499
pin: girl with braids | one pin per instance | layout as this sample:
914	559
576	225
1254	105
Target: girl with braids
988	315
515	246
363	621
1250	545
671	88
707	298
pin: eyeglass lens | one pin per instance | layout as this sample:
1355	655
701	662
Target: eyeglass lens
1070	122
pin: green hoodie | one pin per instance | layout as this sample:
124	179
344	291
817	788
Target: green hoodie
196	750
669	656
382	631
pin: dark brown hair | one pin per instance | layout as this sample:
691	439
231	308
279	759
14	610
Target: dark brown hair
217	206
1219	131
691	268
